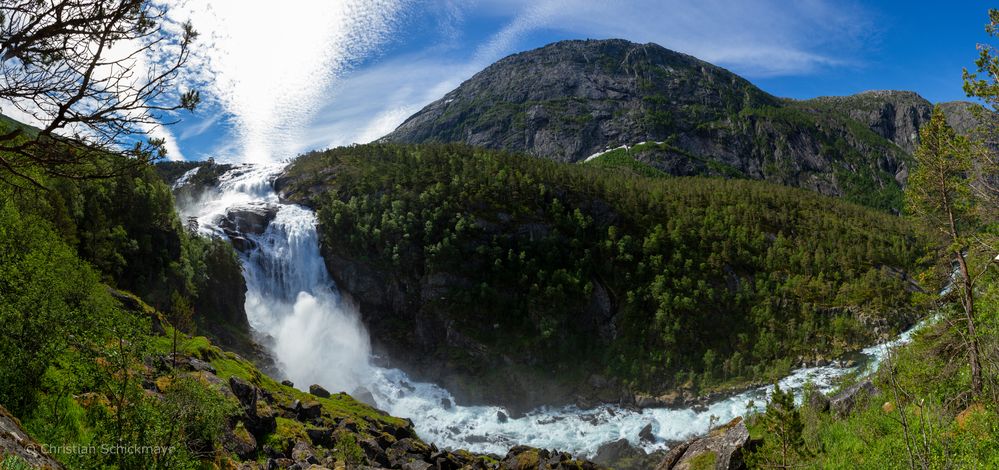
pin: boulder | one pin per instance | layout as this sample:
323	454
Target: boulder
309	411
407	450
818	401
287	383
319	391
239	441
844	402
364	395
245	392
723	446
321	437
501	417
646	435
611	453
260	418
250	218
303	453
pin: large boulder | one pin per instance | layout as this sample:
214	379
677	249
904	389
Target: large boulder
612	454
261	419
721	449
250	218
844	402
319	391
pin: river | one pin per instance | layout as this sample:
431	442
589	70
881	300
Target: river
318	338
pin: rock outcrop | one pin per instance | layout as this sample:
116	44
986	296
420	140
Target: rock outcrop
845	401
722	449
15	443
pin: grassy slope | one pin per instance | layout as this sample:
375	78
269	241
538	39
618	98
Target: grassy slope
944	427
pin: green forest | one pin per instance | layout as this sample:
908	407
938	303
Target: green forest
708	281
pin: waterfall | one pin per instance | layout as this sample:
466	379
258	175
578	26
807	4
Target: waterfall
318	338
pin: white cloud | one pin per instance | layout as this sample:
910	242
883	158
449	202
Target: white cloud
271	66
372	102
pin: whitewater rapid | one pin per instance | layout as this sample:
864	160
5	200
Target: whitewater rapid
316	338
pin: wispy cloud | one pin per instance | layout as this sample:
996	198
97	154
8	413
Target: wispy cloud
271	68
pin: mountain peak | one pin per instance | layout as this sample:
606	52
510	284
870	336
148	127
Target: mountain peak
570	99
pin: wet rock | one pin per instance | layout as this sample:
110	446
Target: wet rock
726	443
287	383
364	395
646	435
446	403
251	218
240	243
501	417
319	391
844	402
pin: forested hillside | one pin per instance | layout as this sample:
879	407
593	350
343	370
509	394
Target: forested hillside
476	266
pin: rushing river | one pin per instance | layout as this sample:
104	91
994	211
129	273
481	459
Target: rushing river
318	338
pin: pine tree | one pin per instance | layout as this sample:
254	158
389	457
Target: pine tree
939	196
785	429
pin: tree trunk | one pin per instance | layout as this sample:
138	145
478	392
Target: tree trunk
968	301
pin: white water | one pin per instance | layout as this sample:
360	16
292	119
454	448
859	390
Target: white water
317	338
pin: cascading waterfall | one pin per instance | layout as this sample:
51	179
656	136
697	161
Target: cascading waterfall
317	338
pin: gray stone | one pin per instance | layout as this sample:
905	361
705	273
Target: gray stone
725	442
844	402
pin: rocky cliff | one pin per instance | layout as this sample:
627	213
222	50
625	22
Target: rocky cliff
570	100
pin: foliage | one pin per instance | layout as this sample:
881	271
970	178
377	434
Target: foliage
58	67
940	196
785	443
693	268
49	301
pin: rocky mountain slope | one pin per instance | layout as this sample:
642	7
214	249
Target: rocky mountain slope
570	100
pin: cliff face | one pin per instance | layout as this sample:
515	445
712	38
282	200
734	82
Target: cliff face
570	100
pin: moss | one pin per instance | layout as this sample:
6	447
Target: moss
527	460
287	433
197	346
347	448
705	461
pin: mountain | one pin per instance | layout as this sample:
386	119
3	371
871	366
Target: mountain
573	99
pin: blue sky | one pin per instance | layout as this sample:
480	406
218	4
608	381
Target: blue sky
315	74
